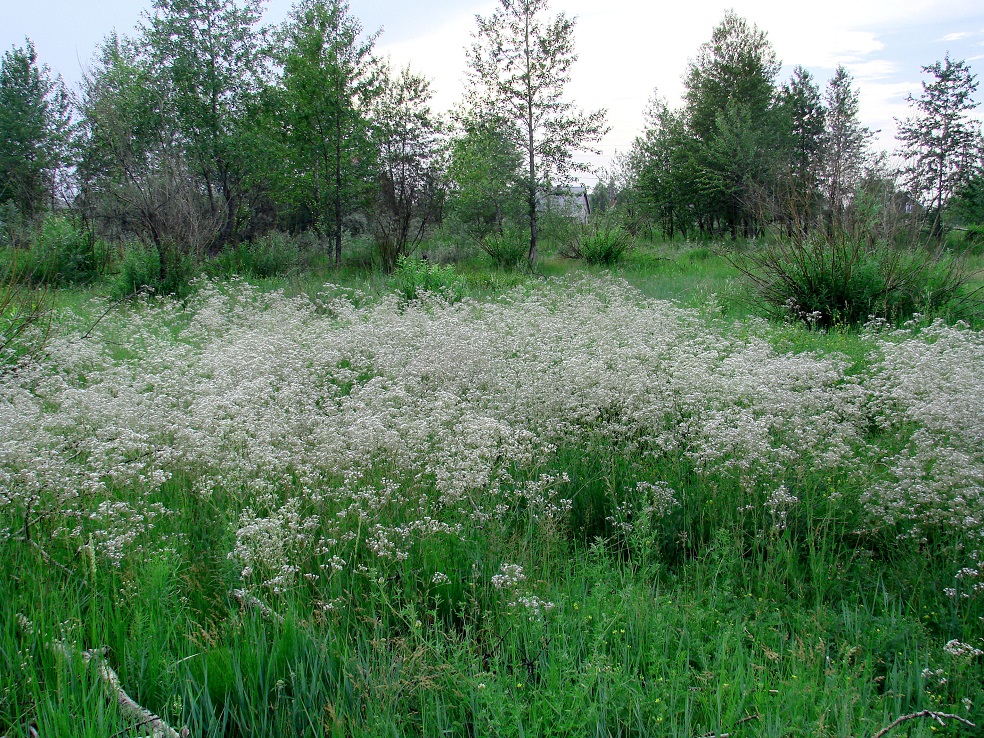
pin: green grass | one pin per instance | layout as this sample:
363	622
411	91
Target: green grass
702	622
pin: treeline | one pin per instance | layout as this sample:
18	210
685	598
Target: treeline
204	130
744	152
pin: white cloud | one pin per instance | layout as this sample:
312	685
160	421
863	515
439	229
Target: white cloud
872	70
956	36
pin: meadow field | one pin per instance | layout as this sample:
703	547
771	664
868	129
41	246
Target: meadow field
557	506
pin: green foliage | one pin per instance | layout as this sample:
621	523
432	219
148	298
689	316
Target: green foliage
941	143
64	253
407	135
601	244
165	270
271	255
507	249
205	60
845	280
558	230
845	143
483	176
414	277
35	130
15	230
967	205
971	239
25	312
738	65
519	67
330	79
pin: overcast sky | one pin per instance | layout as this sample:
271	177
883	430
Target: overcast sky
627	48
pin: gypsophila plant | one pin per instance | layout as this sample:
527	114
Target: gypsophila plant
475	510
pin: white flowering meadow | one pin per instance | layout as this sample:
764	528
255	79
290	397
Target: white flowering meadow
324	417
568	510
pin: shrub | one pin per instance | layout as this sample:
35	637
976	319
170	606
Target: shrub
604	245
556	231
163	269
268	256
63	253
846	280
413	277
508	249
601	244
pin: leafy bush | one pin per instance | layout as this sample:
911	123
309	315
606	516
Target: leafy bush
603	245
141	267
845	280
268	256
508	249
413	277
63	253
556	231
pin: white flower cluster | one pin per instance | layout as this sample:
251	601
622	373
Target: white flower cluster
931	381
534	607
508	577
343	430
962	650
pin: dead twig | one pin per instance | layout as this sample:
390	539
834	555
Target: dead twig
746	719
245	599
937	716
144	718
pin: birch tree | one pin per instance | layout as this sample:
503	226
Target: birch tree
330	78
519	64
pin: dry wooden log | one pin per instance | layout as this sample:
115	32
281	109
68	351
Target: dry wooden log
937	716
147	721
245	599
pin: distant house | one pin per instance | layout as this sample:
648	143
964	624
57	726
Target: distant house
571	200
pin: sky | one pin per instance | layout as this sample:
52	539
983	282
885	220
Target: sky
628	49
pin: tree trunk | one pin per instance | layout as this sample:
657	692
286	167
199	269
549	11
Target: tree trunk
337	235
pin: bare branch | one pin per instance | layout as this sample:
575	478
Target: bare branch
245	599
147	721
937	716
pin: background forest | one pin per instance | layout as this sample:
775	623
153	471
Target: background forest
205	138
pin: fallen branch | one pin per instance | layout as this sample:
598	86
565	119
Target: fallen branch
746	719
51	562
937	716
32	732
144	718
245	599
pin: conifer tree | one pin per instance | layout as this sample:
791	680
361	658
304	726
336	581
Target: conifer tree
941	143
